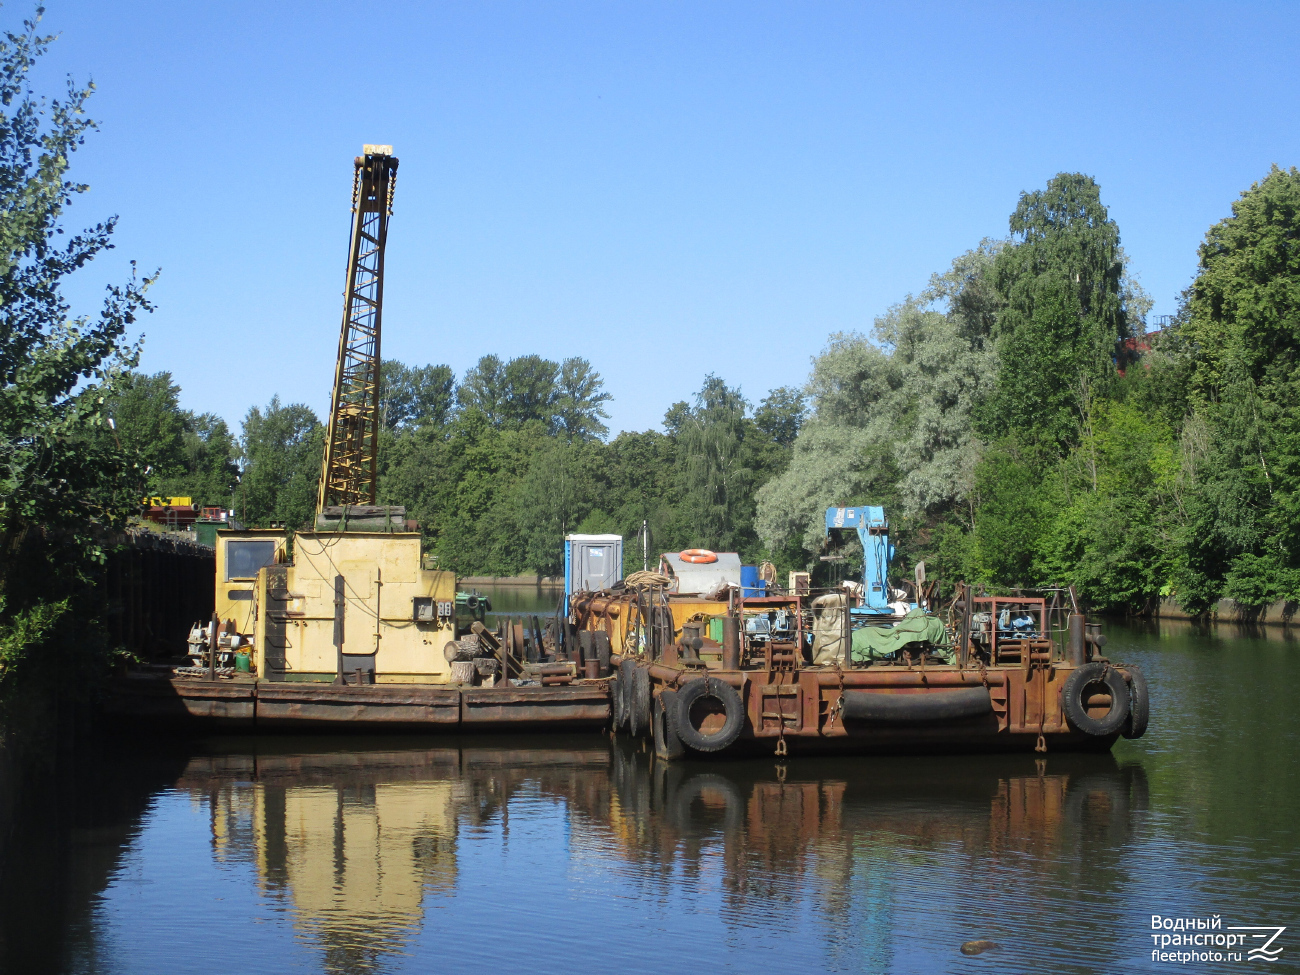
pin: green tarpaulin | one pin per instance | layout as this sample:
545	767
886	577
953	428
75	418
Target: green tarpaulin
918	626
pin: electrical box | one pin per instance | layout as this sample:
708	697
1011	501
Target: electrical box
591	562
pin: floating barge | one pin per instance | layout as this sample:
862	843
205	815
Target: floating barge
795	672
760	689
246	704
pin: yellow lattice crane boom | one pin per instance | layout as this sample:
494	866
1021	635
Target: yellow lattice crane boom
349	471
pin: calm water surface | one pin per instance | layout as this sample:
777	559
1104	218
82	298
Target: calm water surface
580	855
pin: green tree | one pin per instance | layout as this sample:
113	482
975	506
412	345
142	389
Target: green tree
484	388
149	425
209	471
1064	313
891	415
61	482
1241	533
281	448
410	396
580	404
717	478
781	414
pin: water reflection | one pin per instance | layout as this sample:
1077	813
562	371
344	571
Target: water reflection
847	860
581	855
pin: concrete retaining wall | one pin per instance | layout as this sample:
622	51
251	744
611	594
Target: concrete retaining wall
1282	612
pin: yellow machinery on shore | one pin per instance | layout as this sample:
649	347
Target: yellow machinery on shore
351	601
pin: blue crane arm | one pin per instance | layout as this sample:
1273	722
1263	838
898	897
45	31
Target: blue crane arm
873	531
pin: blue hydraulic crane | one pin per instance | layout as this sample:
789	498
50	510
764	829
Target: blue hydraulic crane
873	531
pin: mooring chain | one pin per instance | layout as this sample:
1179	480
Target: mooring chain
838	706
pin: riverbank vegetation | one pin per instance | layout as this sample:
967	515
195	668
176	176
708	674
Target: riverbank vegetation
1015	417
65	481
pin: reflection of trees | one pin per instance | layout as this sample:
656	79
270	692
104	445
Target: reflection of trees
354	842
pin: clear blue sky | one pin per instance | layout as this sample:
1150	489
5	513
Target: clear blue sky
668	189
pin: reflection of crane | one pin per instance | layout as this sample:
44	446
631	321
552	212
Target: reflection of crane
348	474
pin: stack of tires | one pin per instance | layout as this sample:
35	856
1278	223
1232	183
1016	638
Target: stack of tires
673	717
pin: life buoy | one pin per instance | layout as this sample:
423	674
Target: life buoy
1139	703
733	710
1081	684
698	556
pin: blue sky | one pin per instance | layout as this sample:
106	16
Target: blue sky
668	189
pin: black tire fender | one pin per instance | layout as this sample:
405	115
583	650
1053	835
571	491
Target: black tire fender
615	703
602	652
638	702
1139	703
624	708
1081	682
663	727
722	692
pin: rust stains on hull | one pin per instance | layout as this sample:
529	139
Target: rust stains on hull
292	706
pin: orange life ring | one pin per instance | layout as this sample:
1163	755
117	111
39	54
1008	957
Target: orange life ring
698	556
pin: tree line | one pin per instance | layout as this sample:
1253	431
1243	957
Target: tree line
497	467
1025	428
1015	417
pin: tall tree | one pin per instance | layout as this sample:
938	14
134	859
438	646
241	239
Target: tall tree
484	388
1064	314
891	415
60	482
1245	303
580	405
281	448
209	471
1241	536
717	480
149	425
781	414
411	396
531	391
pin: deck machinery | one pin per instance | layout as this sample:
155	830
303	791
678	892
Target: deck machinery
794	671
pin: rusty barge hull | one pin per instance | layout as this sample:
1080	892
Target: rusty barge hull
257	705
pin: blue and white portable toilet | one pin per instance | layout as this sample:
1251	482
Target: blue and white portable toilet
591	562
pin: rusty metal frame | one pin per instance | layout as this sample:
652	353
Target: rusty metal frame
350	467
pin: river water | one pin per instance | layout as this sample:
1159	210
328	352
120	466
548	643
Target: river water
578	854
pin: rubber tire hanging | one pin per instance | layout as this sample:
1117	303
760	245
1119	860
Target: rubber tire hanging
697	690
623	708
1139	707
638	702
1079	682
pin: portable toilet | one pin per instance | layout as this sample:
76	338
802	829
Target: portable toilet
591	562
